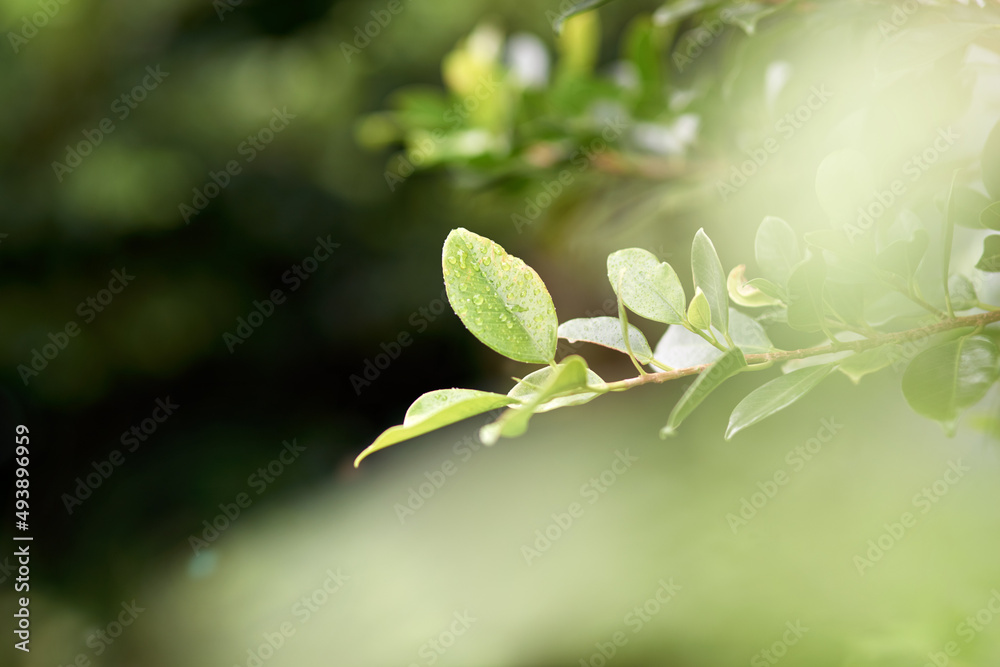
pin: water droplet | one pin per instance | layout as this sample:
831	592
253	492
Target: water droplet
485	261
461	258
479	321
510	325
478	300
451	260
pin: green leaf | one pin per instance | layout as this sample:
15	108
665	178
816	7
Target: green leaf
805	295
991	162
990	261
903	257
768	288
607	331
699	314
528	387
777	250
846	301
678	10
569	377
577	8
731	363
989	217
776	395
963	292
680	348
864	363
745	294
709	276
941	382
649	288
499	298
434	410
968	207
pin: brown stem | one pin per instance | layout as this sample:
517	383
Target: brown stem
980	320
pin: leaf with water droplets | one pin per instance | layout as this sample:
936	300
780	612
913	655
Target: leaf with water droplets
434	410
504	303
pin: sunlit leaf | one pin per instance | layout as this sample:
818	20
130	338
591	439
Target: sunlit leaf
864	363
805	295
699	314
989	217
646	286
903	257
777	250
990	260
963	292
434	410
567	378
499	298
941	382
731	363
680	348
744	294
709	276
776	395
607	331
528	387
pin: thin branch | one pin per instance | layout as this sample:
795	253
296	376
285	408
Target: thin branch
977	321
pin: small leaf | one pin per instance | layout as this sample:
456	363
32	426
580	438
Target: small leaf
990	261
699	314
963	293
578	8
569	377
903	257
434	410
731	363
776	395
607	331
777	250
680	348
499	298
989	217
745	294
768	288
529	386
941	382
649	288
805	295
709	276
864	363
